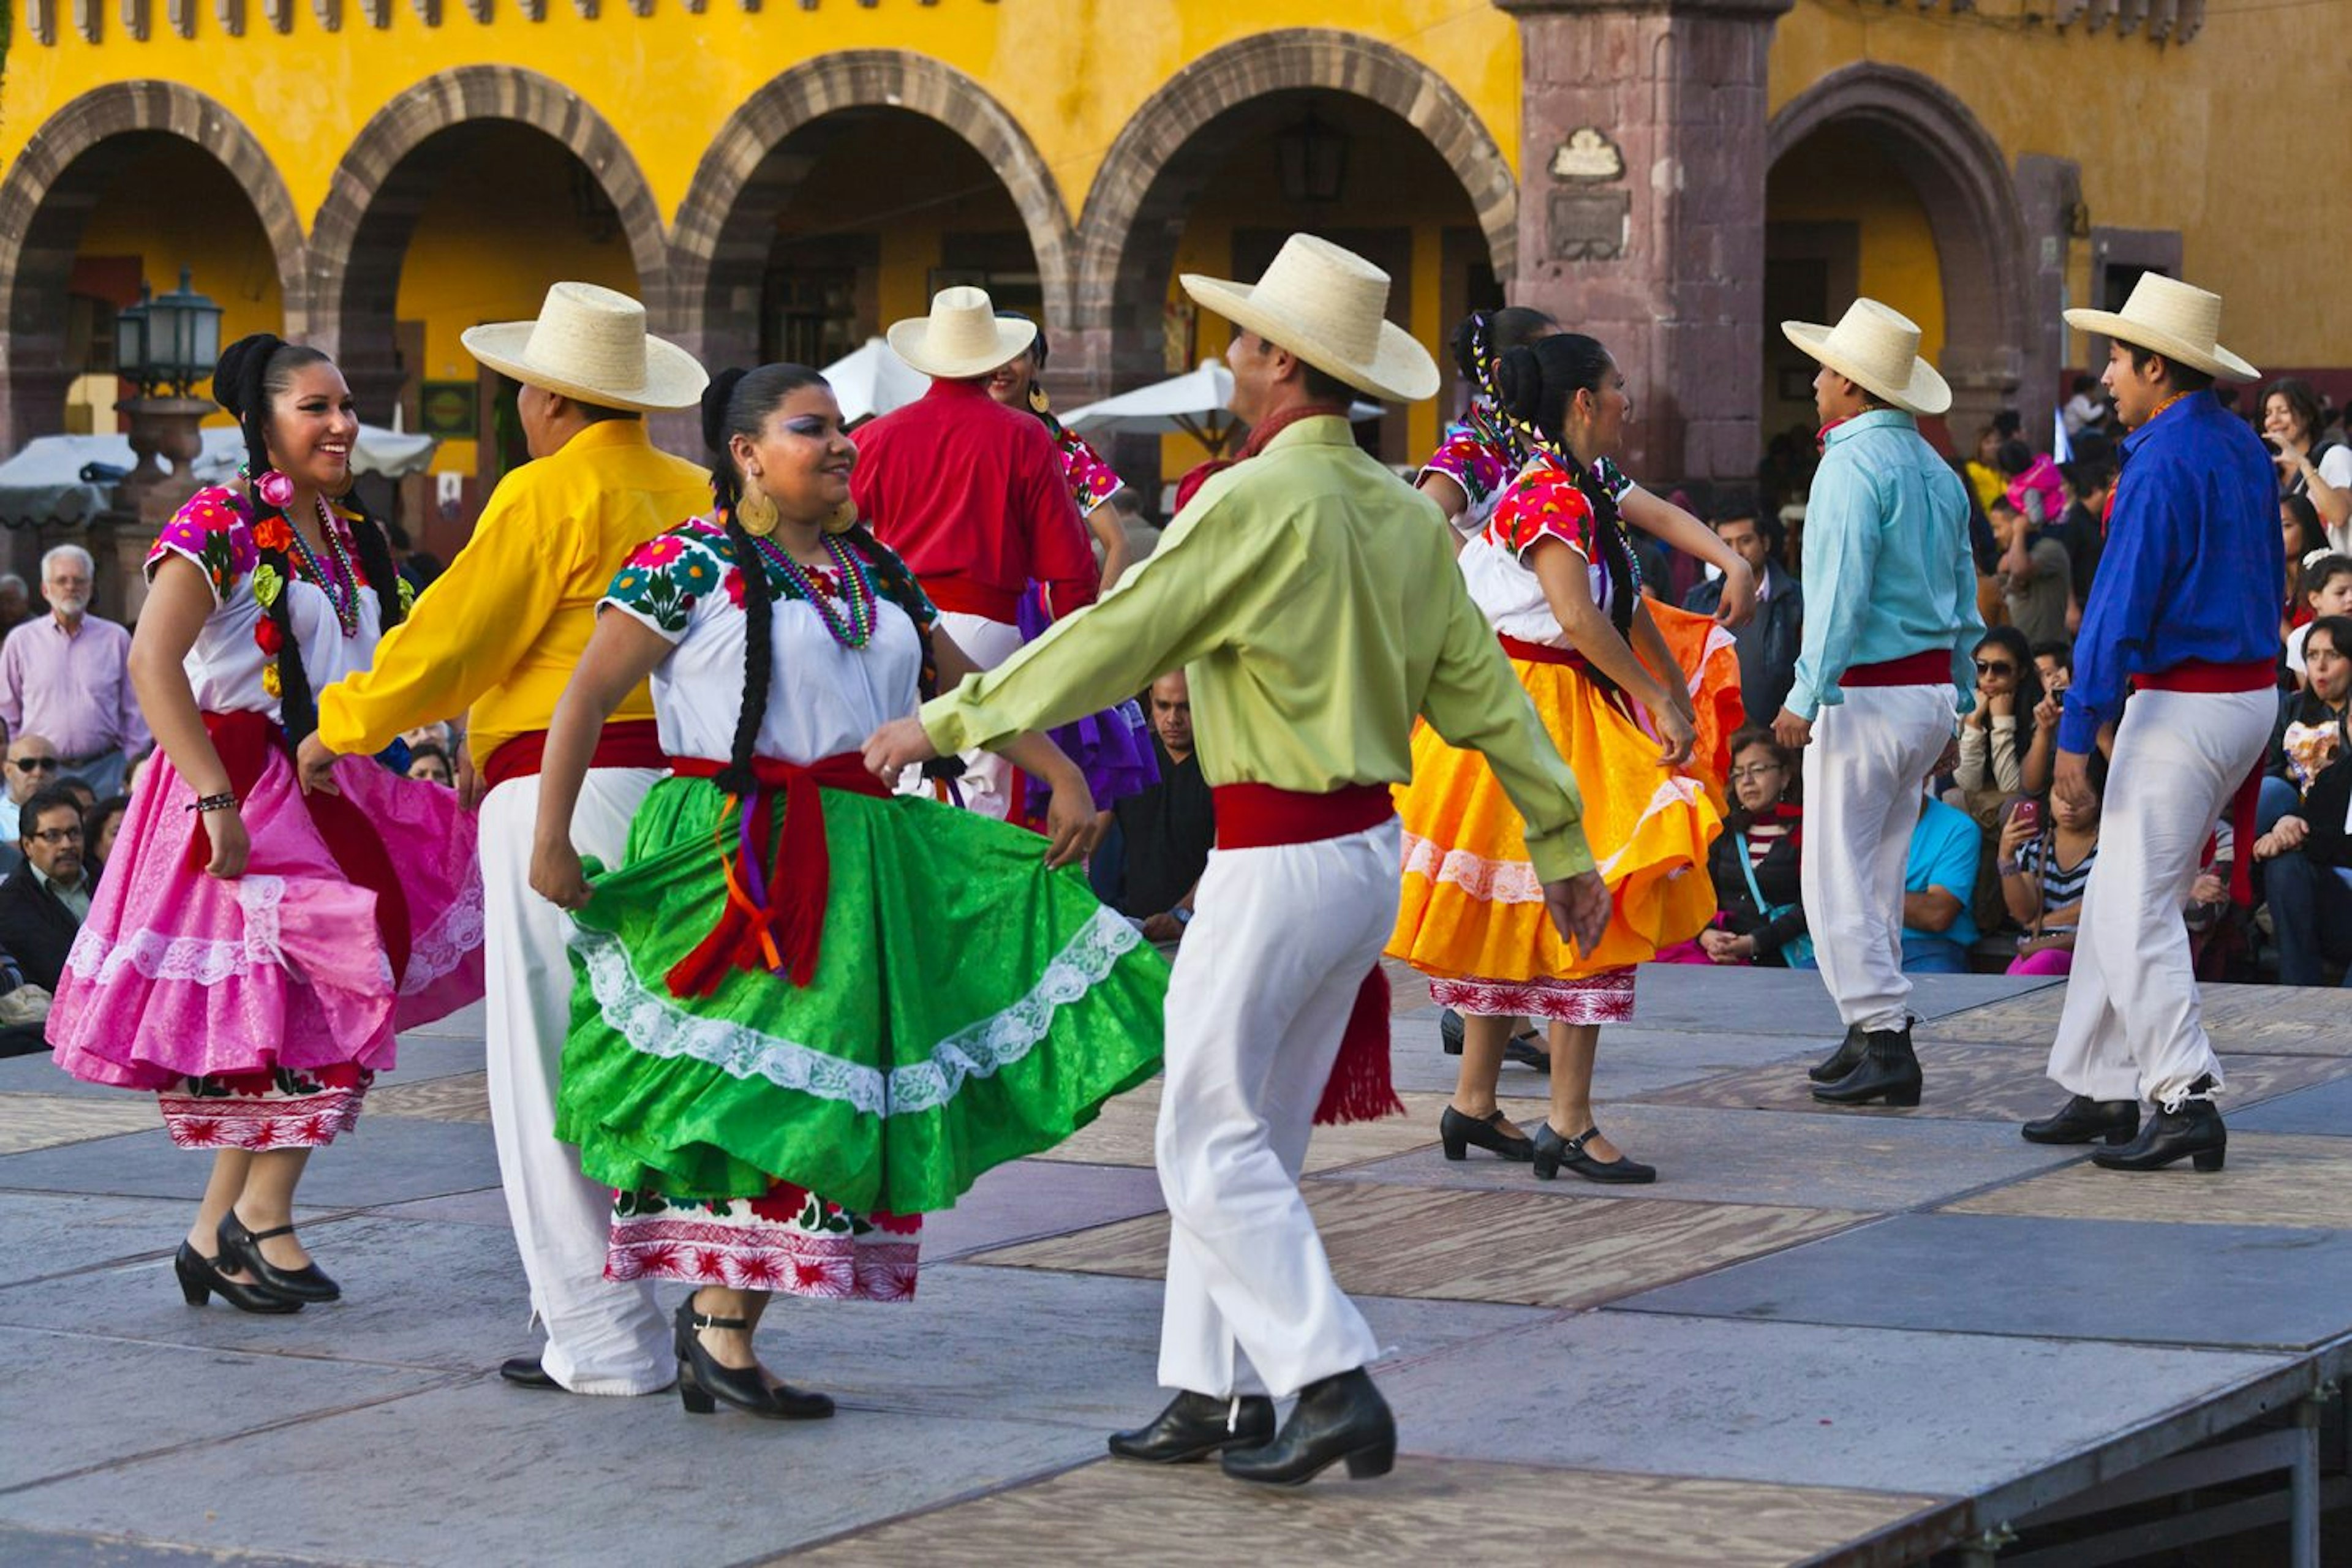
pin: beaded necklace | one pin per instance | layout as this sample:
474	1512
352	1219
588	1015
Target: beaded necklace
857	591
342	590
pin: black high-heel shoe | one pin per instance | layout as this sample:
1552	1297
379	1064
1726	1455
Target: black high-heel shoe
241	1248
702	1382
1552	1151
201	1279
1459	1132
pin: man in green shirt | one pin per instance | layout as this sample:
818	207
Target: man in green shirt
1314	603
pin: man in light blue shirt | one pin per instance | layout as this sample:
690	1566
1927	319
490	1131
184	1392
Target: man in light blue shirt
1891	622
1940	884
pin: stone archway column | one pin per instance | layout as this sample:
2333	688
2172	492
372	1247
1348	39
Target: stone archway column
1650	234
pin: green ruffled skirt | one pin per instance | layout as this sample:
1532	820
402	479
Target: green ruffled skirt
968	1007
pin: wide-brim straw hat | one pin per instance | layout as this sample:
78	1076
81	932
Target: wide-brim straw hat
1329	307
962	339
1876	347
590	343
2177	320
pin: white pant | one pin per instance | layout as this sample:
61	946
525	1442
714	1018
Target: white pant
987	782
601	1337
1864	772
1263	986
2131	1027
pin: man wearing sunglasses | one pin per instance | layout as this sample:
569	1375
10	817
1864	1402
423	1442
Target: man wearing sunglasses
43	905
33	765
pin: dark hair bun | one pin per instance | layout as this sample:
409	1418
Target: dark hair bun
1475	327
1519	382
715	399
239	370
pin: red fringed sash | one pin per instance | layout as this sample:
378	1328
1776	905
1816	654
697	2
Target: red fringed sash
627	744
774	918
1259	816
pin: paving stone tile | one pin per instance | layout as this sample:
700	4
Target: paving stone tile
386	1159
1746	1002
1035	1198
22	1548
1386	1240
2258	1020
1983	1083
466	1024
1953	1415
460	1097
50	1234
46	1121
2234	1286
486	1206
2270	1181
1756	1156
39	1074
2324	1111
1122	1135
1109	1513
1633	1063
97	1406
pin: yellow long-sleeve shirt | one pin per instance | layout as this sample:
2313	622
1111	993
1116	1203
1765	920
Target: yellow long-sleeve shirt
501	630
1316	609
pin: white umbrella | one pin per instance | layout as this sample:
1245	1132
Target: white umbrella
43	483
1195	403
872	380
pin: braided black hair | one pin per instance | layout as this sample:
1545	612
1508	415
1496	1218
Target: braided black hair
1535	383
1485	336
250	375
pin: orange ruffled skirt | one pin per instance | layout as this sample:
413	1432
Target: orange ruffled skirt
1472	916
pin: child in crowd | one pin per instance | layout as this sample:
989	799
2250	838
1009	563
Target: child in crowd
2326	591
2044	865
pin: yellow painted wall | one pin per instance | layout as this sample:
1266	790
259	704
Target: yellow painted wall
1841	177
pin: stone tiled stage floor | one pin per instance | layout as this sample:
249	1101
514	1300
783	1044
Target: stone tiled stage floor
1823	1336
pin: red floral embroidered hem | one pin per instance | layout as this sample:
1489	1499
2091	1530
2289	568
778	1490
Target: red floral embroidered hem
1604	998
281	1109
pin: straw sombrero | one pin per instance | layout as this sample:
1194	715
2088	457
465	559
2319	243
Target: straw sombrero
589	343
1329	307
1876	347
962	338
2177	320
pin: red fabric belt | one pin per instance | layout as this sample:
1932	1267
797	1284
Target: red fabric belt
245	740
2205	680
1933	667
1260	817
1543	653
966	597
774	917
630	744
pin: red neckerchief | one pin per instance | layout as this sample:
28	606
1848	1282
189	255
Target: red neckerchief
1261	433
1821	436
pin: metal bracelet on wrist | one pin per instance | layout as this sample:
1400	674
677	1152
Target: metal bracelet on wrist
224	801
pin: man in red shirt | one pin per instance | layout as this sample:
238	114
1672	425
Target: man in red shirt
971	494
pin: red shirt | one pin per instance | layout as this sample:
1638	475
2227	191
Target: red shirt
972	495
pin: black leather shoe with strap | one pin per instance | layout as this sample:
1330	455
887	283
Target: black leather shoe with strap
241	1248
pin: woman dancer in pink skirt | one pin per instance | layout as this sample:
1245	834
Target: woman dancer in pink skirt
251	951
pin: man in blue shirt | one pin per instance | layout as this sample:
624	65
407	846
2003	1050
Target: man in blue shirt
2185	609
1884	664
1940	885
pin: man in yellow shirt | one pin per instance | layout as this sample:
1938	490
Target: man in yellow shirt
500	632
1314	602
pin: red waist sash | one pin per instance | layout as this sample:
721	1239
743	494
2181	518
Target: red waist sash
2202	678
774	918
1260	817
966	597
245	740
1933	667
630	744
1543	653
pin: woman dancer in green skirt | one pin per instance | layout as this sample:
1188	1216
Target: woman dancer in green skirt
808	1011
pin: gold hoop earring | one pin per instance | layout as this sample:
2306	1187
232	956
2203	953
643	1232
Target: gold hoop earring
1038	402
756	510
844	518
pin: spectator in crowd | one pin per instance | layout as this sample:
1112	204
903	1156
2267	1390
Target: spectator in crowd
2005	739
1940	884
433	734
2326	591
2302	853
33	766
16	604
2086	412
2055	663
84	797
1755	861
99	824
42	906
2037	580
2309	465
68	675
2032	483
2044	865
430	761
2082	529
1164	834
1767	644
2305	540
1983	469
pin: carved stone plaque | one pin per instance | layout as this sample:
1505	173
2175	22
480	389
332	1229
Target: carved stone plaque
1588	155
1588	225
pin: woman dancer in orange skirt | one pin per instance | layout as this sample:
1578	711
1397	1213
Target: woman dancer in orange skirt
1554	573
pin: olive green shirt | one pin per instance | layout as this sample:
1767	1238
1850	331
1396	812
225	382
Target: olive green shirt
1316	607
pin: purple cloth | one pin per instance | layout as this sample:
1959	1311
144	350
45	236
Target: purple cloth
75	691
1112	748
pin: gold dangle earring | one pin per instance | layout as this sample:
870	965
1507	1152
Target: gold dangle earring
755	509
1038	402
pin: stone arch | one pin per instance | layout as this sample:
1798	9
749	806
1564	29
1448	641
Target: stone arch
1962	179
46	200
721	240
359	238
1127	234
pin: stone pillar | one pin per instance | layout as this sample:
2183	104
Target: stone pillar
1642	211
165	438
2050	195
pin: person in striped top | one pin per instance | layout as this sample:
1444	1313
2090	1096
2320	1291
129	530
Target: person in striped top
2044	867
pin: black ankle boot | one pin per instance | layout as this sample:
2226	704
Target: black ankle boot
2083	1119
1341	1417
2193	1132
1196	1425
1843	1059
1888	1071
